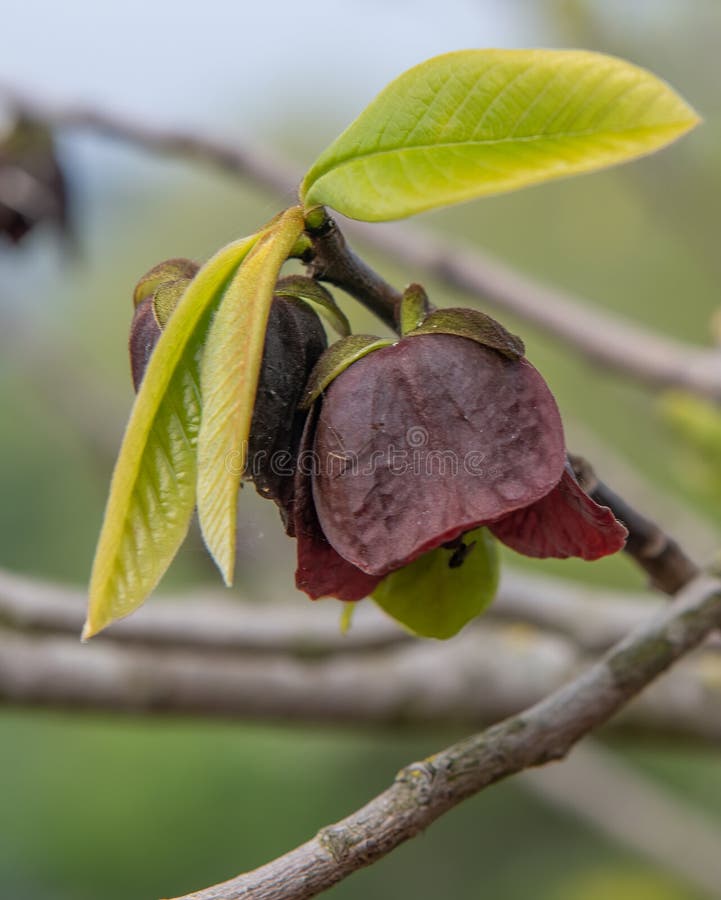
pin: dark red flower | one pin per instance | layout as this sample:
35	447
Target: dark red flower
417	443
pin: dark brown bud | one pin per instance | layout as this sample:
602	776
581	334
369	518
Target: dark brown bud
294	342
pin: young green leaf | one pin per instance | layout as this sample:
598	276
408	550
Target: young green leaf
229	379
478	122
441	591
153	487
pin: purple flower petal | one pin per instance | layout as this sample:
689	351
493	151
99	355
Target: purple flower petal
422	441
564	523
321	571
144	334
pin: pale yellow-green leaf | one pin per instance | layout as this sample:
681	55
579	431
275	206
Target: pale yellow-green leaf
478	122
229	380
152	493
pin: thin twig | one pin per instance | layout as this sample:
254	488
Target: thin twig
206	655
261	167
658	554
333	261
609	340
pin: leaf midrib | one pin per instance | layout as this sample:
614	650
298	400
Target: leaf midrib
444	145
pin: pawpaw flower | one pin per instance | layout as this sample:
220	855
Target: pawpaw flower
416	443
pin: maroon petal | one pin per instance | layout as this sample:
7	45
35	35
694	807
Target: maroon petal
564	523
321	571
422	441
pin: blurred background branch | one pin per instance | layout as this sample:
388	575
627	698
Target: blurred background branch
608	340
424	791
651	821
205	656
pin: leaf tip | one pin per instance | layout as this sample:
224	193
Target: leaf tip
695	119
90	629
222	551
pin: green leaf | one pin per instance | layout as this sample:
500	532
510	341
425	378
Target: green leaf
441	591
336	359
299	287
478	122
152	493
229	380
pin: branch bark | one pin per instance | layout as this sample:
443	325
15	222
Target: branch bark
424	791
658	554
205	657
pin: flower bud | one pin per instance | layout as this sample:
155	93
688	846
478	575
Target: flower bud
294	341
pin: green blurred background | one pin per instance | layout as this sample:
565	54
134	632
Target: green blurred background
98	806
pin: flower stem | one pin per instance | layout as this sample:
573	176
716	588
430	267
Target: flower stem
330	259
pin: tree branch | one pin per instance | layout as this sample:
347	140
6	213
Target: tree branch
424	791
593	618
609	340
209	621
278	662
261	167
658	554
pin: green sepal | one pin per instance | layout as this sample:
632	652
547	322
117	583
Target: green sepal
336	359
414	308
170	270
475	325
441	591
299	287
166	297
